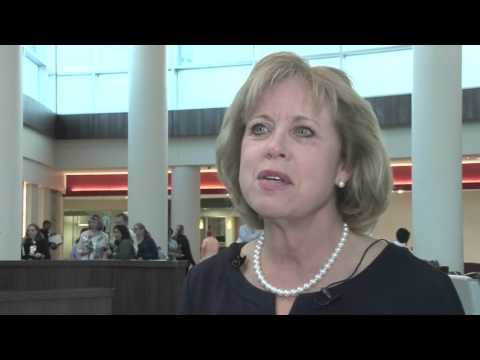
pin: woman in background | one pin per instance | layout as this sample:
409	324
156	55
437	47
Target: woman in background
147	247
34	244
75	255
93	243
184	246
123	249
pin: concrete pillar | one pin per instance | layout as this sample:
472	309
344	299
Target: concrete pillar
186	204
30	204
34	203
42	213
57	215
230	227
148	142
57	220
10	152
437	154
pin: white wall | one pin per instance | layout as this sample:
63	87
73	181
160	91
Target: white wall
471	136
398	141
38	147
471	228
39	174
230	233
39	161
200	151
86	155
98	203
399	215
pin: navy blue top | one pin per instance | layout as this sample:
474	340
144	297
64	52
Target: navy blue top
396	282
147	249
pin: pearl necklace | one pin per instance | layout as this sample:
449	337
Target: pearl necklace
307	285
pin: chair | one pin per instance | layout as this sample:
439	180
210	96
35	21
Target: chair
468	290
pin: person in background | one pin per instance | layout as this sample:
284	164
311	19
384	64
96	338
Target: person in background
246	234
147	247
173	250
184	246
122	219
93	243
34	244
75	255
47	230
50	235
123	249
402	237
209	246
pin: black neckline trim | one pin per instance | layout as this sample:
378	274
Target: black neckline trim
250	292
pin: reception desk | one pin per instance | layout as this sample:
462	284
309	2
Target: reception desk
57	302
139	287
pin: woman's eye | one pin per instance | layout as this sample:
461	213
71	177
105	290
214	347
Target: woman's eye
258	129
303	131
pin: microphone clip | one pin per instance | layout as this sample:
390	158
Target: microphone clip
238	261
327	298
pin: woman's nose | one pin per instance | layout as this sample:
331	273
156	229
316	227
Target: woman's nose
276	147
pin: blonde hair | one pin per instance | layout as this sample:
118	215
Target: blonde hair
366	195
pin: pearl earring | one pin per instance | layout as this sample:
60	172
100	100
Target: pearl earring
341	184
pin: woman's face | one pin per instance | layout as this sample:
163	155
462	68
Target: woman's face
93	224
32	232
290	155
139	231
117	234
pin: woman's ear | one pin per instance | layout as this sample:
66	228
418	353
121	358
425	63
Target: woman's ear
344	174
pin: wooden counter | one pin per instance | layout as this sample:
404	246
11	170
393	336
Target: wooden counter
57	302
139	287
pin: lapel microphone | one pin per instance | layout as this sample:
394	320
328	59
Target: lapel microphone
327	298
238	261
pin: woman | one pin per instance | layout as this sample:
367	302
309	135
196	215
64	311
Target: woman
34	244
74	254
124	249
147	247
93	243
173	251
183	246
301	155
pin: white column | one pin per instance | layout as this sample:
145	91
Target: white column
57	218
437	154
230	225
34	205
30	204
57	221
10	152
148	142
186	204
42	213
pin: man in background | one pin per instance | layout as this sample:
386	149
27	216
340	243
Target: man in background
402	237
